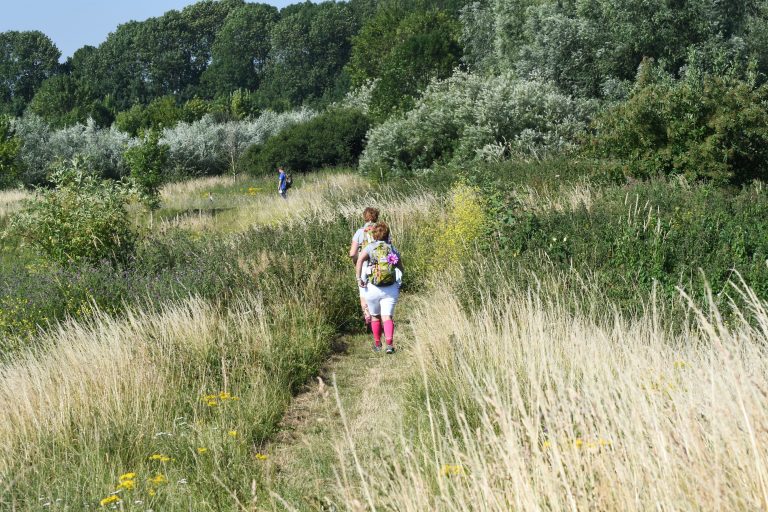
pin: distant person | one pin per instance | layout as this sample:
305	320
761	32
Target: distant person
282	183
382	286
360	241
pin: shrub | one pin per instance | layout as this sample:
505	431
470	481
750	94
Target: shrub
208	147
82	219
629	241
147	162
470	117
702	126
334	138
43	148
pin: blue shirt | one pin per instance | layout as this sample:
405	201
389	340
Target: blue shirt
281	181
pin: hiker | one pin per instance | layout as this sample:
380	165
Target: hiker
382	286
282	183
360	240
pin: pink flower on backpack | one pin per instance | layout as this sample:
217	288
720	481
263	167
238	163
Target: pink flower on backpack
392	258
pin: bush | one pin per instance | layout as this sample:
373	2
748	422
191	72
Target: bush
82	219
702	126
631	240
147	162
209	147
470	117
42	148
334	138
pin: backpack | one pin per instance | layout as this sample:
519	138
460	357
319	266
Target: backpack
382	267
288	181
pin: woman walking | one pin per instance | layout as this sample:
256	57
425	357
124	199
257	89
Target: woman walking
382	286
361	239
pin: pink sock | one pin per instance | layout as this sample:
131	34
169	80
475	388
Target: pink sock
389	331
376	330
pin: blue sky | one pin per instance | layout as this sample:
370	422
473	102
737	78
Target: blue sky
72	24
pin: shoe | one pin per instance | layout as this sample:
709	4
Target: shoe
390	349
377	348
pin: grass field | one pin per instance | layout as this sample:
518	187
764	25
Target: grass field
520	383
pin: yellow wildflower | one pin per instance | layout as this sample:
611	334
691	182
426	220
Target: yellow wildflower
208	398
224	395
452	470
202	450
546	444
127	485
212	403
159	456
262	456
679	365
152	492
127	476
109	500
232	433
158	479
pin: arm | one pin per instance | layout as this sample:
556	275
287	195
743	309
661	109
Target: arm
359	267
353	250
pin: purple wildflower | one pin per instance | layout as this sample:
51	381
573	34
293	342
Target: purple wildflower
392	258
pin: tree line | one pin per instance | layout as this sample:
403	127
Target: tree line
633	69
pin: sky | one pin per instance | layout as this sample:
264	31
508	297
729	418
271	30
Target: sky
72	24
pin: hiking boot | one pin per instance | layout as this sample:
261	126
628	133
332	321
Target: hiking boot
390	349
377	348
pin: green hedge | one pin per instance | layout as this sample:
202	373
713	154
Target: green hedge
334	138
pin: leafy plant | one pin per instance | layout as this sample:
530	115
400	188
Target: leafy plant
147	162
331	139
703	126
81	219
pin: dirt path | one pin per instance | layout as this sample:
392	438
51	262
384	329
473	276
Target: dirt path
304	458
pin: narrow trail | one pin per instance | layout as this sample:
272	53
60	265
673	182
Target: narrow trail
305	454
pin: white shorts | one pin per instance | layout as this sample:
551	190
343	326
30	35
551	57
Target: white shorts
382	300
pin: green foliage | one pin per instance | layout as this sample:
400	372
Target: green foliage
240	52
147	162
627	241
711	127
10	145
587	46
331	139
402	52
309	47
26	60
470	117
82	219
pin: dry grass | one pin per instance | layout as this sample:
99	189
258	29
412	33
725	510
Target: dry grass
316	198
530	406
562	199
112	371
11	201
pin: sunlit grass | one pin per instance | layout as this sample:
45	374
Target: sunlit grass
525	405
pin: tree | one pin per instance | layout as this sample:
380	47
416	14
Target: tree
26	60
309	47
241	49
426	46
10	145
56	101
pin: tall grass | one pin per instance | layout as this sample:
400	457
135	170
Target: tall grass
197	386
525	403
11	201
